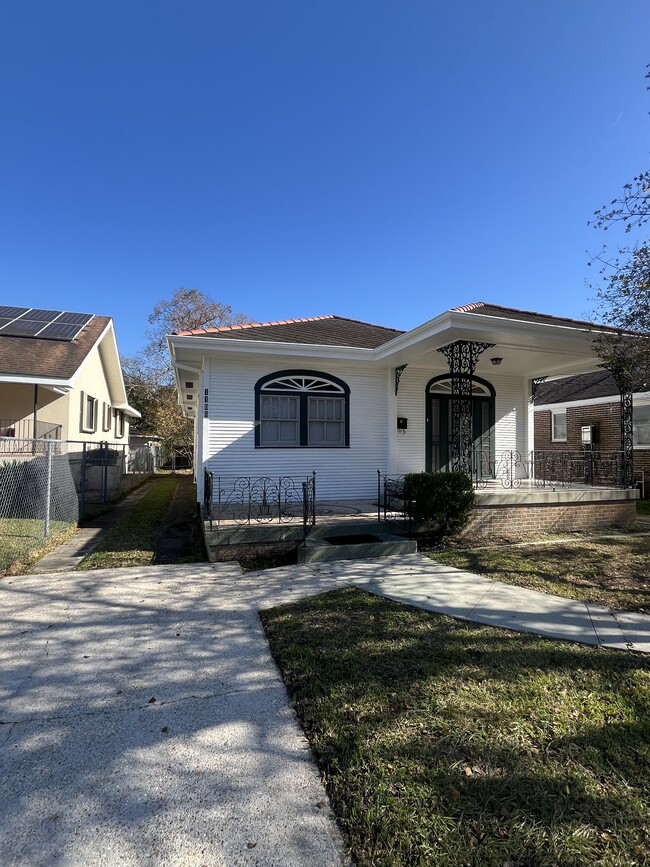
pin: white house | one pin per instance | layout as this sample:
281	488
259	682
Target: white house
345	398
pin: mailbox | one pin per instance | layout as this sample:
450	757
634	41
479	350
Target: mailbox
402	423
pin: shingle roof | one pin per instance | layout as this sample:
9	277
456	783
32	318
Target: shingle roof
496	310
40	357
318	330
586	386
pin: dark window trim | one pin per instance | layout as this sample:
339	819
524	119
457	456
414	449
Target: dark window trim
303	406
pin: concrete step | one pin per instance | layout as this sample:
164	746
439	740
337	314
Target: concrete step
352	542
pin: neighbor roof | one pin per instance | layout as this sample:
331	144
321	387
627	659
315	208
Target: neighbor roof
40	357
318	330
586	386
513	313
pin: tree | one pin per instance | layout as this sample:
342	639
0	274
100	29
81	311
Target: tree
623	298
149	376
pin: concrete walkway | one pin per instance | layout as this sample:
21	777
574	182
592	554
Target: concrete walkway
416	580
143	721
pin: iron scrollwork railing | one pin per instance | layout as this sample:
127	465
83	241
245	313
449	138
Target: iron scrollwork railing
391	504
584	467
263	500
308	505
507	468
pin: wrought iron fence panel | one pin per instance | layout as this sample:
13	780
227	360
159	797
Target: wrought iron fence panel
308	505
561	468
261	500
391	504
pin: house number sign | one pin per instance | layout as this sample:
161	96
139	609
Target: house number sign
205	403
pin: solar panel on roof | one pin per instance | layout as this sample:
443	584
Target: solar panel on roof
75	318
42	315
22	328
60	331
51	324
12	312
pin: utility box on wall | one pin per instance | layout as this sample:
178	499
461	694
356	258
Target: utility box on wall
589	435
402	423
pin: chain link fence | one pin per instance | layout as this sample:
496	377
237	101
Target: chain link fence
48	485
37	495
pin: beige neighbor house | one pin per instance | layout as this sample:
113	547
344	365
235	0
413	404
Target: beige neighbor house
60	378
273	403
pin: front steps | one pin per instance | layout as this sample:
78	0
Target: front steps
340	540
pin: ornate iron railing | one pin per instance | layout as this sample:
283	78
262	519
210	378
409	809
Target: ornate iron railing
550	468
263	500
308	505
564	468
509	469
391	505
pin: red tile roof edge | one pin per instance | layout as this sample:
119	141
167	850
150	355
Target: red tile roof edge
222	328
241	325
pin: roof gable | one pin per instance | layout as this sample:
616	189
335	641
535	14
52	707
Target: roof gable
316	330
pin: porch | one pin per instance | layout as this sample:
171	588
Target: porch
279	514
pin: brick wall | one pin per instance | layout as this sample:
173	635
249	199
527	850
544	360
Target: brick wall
521	521
608	418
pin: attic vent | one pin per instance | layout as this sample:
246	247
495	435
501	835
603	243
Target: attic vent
189	385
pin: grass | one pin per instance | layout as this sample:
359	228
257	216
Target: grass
609	571
22	542
451	743
132	542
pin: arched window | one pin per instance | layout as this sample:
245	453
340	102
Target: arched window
302	409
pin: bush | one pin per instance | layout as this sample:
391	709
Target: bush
439	503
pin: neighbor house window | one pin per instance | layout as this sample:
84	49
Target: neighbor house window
558	426
296	409
119	423
88	413
107	412
641	426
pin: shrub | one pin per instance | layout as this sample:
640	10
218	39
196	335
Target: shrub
439	503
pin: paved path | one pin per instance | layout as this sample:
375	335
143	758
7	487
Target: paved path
143	721
417	580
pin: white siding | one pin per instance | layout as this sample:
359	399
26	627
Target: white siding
341	473
511	416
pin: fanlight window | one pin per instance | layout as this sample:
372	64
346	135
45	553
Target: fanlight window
296	410
443	386
303	383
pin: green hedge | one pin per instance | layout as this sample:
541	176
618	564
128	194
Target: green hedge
439	503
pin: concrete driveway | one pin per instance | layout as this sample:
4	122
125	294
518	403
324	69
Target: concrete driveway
143	722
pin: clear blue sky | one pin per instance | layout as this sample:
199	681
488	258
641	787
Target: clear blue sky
372	159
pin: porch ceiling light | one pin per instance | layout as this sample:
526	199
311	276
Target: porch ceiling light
496	361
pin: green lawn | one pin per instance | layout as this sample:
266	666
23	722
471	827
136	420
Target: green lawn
132	542
22	541
449	743
613	571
